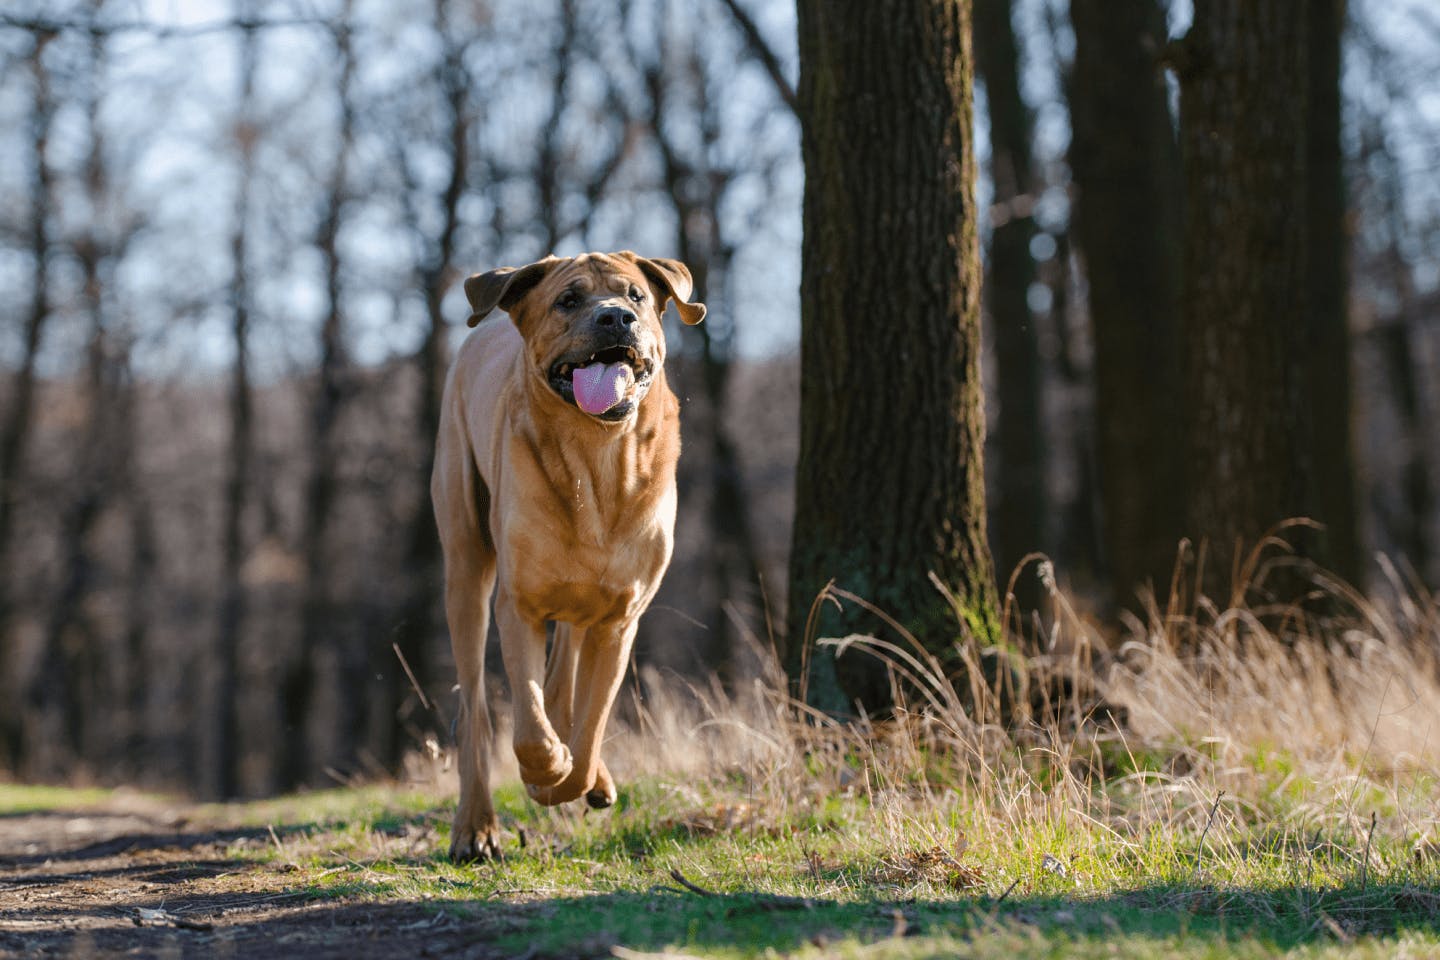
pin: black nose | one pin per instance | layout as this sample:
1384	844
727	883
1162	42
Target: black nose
617	317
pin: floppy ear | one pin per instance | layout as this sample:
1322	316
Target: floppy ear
503	287
674	278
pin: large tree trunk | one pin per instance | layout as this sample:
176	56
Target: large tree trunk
1245	320
889	483
1127	223
1334	501
1021	508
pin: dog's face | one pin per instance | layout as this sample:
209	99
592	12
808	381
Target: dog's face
591	324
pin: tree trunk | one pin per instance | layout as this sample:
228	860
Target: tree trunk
1246	427
15	433
222	763
697	190
417	626
1335	500
317	618
889	483
1022	507
74	664
1127	224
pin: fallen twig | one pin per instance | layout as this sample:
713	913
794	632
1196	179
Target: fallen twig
693	888
146	917
761	901
1214	808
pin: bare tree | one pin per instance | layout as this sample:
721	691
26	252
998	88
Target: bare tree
15	432
698	186
317	622
1021	508
222	768
1127	226
417	624
76	663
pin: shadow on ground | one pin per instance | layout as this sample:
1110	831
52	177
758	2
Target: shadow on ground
115	886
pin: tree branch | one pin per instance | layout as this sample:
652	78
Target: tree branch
763	53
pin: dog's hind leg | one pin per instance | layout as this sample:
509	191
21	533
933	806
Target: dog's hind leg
462	507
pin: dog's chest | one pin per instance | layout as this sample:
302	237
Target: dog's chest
581	553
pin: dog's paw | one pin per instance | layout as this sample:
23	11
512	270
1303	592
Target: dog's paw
469	846
602	794
543	763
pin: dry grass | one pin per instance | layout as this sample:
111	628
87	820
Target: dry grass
1295	721
1264	772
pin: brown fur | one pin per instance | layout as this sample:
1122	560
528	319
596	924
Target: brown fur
564	516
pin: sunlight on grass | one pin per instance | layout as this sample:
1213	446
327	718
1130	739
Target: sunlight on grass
1220	783
1226	783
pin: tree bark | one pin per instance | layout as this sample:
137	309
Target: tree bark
1021	508
889	484
1127	224
1245	316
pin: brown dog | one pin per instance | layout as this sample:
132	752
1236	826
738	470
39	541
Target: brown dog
554	482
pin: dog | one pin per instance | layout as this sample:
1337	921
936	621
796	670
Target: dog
554	488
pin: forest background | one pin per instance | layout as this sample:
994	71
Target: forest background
231	237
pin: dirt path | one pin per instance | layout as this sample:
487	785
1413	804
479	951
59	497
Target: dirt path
131	880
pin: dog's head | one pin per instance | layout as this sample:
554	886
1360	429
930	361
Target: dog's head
591	323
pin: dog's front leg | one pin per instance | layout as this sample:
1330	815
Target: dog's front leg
544	757
600	668
560	677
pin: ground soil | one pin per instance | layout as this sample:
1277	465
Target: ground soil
136	880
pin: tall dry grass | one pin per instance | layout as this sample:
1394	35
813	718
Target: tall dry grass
1228	721
1307	714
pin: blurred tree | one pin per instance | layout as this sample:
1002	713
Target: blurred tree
318	627
1021	511
418	623
1127	225
1334	500
698	187
221	754
1398	333
1251	343
19	417
889	483
77	663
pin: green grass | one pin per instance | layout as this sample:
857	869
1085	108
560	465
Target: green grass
867	876
1208	789
18	798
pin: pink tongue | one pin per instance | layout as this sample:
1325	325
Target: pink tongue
600	386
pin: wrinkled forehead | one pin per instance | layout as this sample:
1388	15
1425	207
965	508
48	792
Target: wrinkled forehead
594	274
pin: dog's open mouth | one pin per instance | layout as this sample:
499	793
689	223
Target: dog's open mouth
600	384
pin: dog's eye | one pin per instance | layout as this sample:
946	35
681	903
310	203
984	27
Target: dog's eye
637	295
569	300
